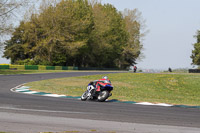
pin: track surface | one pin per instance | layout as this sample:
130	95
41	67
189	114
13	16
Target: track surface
30	113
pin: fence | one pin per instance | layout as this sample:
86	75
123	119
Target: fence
194	70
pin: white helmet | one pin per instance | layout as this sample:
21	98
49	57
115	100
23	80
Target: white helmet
104	77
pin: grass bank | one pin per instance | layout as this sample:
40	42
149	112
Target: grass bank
139	87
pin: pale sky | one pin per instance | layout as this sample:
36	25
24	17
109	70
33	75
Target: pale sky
171	24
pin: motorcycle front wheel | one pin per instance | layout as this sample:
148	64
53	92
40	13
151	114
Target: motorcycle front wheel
103	96
84	96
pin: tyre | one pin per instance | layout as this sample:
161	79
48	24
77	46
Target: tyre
103	96
84	96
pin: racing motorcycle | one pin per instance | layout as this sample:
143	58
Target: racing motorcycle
94	94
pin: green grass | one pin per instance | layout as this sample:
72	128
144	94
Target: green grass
138	87
8	72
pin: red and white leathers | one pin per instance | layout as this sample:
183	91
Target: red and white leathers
102	83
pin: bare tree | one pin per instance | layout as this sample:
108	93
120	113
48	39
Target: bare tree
9	12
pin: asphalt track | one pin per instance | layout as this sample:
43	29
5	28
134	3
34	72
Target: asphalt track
30	113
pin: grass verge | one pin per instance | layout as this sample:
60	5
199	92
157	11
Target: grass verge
138	87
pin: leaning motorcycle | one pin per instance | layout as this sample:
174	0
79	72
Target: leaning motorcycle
101	96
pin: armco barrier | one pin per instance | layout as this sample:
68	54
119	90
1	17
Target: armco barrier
31	67
4	67
41	67
95	68
18	67
58	67
70	68
50	67
194	70
75	68
64	68
37	67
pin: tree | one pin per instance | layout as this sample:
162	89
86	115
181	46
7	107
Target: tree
196	52
77	33
14	49
56	33
106	39
66	26
134	25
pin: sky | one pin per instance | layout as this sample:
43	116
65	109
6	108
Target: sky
172	25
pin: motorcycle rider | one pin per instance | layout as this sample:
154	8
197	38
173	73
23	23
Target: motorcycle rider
97	84
102	82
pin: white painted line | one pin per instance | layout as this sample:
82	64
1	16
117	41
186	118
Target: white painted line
164	104
24	87
46	111
144	103
31	92
53	95
17	87
159	104
19	90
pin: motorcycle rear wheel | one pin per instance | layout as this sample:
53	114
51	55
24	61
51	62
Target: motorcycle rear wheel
103	96
84	96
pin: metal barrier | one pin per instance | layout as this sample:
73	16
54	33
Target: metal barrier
37	67
31	67
194	70
50	67
95	68
4	67
64	68
17	67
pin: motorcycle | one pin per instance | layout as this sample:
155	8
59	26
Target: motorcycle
101	95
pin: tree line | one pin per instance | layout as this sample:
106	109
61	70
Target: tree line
77	33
